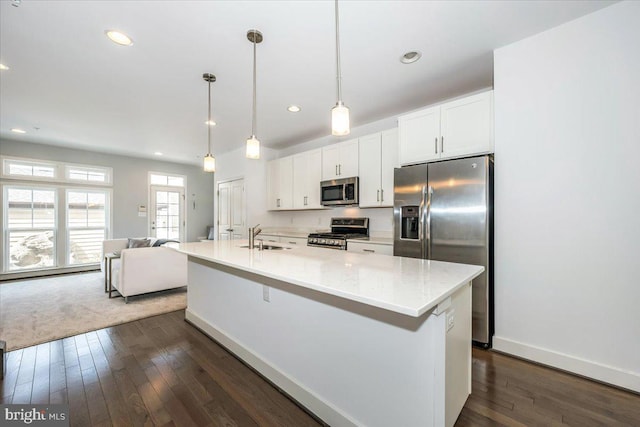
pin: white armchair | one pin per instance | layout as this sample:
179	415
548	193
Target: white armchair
143	270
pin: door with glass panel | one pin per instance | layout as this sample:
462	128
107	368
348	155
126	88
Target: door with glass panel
30	228
167	213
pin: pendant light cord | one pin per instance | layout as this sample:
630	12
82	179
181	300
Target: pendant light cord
338	72
253	122
209	122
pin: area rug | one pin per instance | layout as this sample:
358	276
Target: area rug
41	310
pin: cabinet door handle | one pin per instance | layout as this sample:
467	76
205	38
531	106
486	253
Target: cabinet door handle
305	200
442	144
377	195
382	194
278	203
339	169
436	145
368	250
336	170
293	243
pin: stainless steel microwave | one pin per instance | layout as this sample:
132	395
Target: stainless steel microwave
339	192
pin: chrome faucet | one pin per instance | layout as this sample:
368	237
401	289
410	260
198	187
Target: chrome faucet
253	232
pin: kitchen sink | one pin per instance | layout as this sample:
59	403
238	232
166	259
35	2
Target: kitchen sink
267	247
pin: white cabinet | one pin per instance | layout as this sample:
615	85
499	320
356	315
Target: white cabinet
369	248
419	133
298	241
307	174
280	184
340	160
455	129
377	157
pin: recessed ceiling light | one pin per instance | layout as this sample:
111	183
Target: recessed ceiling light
3	67
17	130
293	108
157	153
210	123
410	57
119	38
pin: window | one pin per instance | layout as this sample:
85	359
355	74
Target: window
86	225
168	180
38	170
47	223
26	168
31	227
91	175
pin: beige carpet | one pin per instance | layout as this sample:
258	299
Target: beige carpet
41	310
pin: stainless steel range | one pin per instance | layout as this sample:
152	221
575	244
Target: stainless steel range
341	230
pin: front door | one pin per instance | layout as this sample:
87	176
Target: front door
231	213
167	213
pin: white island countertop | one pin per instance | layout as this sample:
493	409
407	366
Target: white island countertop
403	285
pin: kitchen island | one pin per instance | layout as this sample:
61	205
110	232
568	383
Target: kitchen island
358	339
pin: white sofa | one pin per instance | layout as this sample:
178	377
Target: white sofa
143	270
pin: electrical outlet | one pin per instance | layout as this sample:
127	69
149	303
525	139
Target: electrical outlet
451	319
265	293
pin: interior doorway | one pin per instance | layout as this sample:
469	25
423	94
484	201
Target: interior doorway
231	210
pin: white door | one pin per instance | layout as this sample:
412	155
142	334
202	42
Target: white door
389	161
348	156
467	126
167	213
419	136
370	167
231	212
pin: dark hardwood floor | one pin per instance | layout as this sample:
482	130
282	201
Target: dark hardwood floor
162	371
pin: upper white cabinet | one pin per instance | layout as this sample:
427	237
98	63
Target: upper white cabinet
280	184
306	180
378	156
455	129
340	160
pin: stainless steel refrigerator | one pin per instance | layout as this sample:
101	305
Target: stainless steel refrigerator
443	211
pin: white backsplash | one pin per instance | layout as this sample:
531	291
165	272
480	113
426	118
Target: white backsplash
380	219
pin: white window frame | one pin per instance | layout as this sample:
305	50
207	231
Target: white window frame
6	230
68	229
61	171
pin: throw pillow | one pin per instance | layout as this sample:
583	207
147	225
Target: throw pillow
138	243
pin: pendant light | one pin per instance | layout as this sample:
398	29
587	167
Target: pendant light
253	145
339	113
209	160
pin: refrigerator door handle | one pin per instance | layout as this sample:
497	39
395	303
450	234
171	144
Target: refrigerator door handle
421	224
428	221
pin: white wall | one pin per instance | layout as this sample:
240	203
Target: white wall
567	196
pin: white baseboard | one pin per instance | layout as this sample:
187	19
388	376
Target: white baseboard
323	410
599	372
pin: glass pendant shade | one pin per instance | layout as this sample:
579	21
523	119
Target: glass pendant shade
253	148
340	120
209	163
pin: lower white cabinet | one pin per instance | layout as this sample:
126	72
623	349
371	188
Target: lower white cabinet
299	241
370	248
270	238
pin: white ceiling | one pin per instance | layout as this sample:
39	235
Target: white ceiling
81	90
